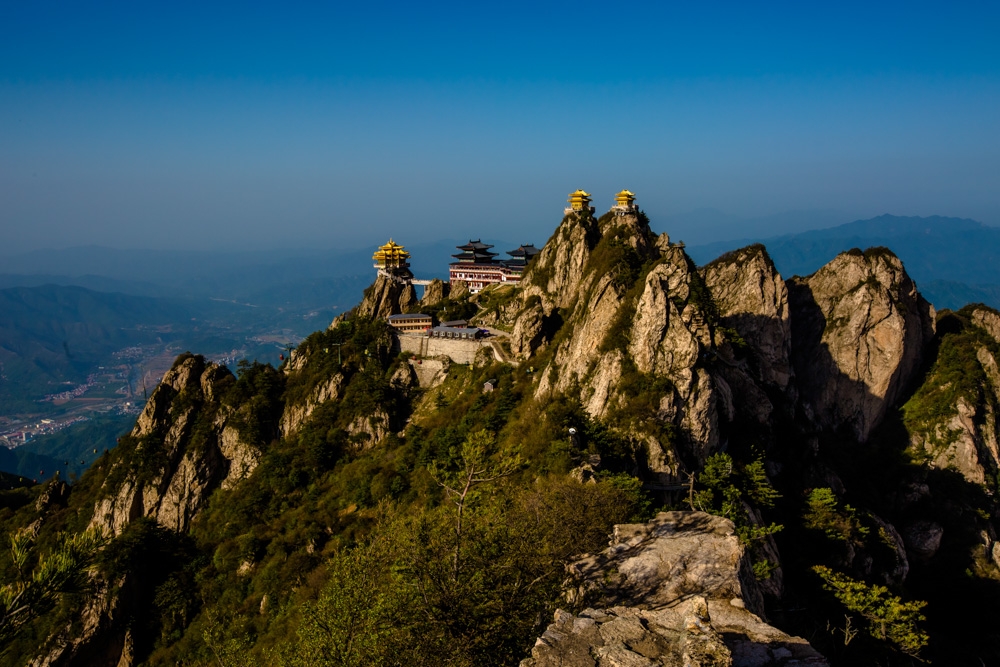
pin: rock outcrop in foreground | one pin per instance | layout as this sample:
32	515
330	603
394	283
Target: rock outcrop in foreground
675	591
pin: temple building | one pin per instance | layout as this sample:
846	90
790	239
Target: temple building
391	260
624	203
521	255
475	252
579	202
479	267
411	322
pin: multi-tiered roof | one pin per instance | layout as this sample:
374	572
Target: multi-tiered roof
475	252
520	256
625	199
579	201
391	256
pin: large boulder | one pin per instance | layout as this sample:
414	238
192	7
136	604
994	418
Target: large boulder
678	590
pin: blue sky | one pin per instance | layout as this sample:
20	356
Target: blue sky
332	124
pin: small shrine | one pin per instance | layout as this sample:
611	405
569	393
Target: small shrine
579	202
624	202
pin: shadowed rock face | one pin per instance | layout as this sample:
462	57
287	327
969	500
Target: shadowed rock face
752	299
675	591
859	329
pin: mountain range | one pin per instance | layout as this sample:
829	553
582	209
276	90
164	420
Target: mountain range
955	261
646	462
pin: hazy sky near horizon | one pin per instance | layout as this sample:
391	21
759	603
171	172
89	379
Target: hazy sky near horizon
253	125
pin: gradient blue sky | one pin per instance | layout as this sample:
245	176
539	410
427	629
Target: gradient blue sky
251	125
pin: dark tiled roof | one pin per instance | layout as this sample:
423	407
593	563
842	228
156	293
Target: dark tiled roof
475	245
528	251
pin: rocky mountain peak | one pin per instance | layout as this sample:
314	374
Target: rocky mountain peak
752	299
383	298
859	331
186	445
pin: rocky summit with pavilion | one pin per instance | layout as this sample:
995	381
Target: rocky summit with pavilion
643	462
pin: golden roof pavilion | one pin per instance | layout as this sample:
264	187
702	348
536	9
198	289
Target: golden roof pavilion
625	199
391	256
579	200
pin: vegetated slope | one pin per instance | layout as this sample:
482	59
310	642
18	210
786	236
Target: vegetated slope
69	451
376	520
955	261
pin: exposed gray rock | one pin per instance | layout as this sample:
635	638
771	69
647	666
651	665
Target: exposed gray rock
242	457
660	342
556	272
385	297
859	332
902	570
296	414
366	431
528	334
674	591
459	289
189	473
989	320
752	299
436	292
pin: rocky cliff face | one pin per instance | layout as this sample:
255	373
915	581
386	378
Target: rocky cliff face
436	292
676	364
186	447
753	300
675	591
963	433
859	331
295	414
622	308
384	298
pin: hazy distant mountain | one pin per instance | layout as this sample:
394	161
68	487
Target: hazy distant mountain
90	281
53	334
954	261
295	281
704	226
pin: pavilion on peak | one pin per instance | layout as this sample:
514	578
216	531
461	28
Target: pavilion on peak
624	202
392	259
579	202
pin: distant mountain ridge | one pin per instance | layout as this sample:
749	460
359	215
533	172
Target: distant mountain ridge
52	334
954	260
